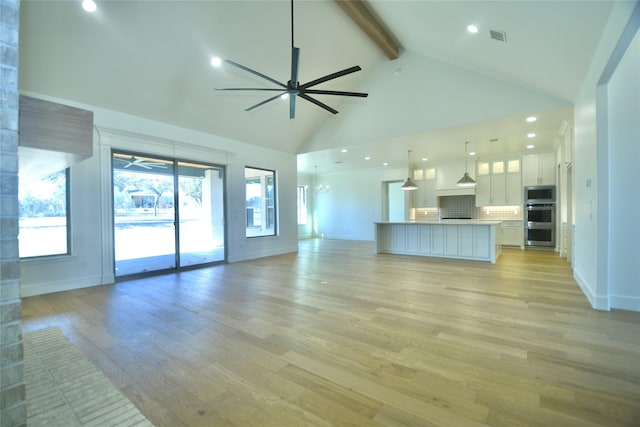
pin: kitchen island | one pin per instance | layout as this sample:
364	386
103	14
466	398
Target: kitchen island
461	239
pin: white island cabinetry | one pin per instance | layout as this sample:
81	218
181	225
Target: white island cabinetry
461	239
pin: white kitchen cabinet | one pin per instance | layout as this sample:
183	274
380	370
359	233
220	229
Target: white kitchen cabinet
512	233
539	169
499	183
514	189
483	184
460	239
425	196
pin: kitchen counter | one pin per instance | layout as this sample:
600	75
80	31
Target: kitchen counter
444	221
449	238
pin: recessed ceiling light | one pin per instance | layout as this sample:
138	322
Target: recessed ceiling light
530	146
385	164
344	150
531	135
424	159
216	61
472	153
89	6
367	158
472	29
531	119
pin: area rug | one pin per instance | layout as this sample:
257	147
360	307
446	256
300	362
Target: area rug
65	389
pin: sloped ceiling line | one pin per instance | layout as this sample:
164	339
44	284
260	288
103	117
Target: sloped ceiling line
369	22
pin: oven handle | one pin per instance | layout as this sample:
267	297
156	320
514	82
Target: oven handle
540	208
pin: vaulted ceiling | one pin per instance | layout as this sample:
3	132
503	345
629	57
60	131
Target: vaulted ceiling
151	59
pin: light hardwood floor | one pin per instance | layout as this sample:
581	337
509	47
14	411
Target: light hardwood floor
335	335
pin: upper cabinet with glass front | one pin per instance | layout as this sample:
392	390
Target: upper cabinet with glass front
499	182
425	196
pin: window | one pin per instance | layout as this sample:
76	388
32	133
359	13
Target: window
302	204
260	206
44	216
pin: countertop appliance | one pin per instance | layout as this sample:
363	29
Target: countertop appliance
540	216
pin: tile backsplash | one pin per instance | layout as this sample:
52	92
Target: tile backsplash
457	206
465	206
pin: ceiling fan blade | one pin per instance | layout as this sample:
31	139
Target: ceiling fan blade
249	70
331	76
248	88
292	106
335	92
273	98
318	103
295	59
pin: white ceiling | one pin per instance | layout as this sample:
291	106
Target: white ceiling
151	59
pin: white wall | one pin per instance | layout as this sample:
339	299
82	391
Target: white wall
91	261
354	202
623	96
591	250
305	231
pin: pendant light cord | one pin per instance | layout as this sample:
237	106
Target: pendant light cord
292	44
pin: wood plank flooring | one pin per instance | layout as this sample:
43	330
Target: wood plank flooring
338	336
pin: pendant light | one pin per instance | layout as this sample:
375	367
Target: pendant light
409	184
466	180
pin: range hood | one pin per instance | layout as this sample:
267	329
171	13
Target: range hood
458	191
448	175
52	137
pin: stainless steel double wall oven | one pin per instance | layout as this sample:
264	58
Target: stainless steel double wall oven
540	216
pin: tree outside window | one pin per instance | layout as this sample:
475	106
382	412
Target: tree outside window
260	202
44	216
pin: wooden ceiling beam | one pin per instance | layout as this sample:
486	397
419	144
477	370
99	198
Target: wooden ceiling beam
369	22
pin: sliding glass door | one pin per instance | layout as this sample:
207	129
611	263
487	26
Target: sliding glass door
168	214
201	213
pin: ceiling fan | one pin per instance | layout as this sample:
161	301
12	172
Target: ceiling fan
293	88
132	161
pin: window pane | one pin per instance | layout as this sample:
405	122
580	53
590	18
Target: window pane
201	213
44	217
260	196
143	214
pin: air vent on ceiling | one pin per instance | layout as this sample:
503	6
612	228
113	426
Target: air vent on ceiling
493	140
501	36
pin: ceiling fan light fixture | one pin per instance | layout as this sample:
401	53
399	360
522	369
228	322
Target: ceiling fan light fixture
293	89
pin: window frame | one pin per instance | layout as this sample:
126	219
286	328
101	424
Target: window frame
67	189
270	175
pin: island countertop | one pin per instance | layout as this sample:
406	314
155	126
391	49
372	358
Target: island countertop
470	239
444	222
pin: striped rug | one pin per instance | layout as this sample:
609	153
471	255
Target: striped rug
65	389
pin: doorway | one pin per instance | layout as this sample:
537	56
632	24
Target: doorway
168	214
393	197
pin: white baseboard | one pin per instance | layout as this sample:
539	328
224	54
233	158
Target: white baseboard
625	302
599	303
27	290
